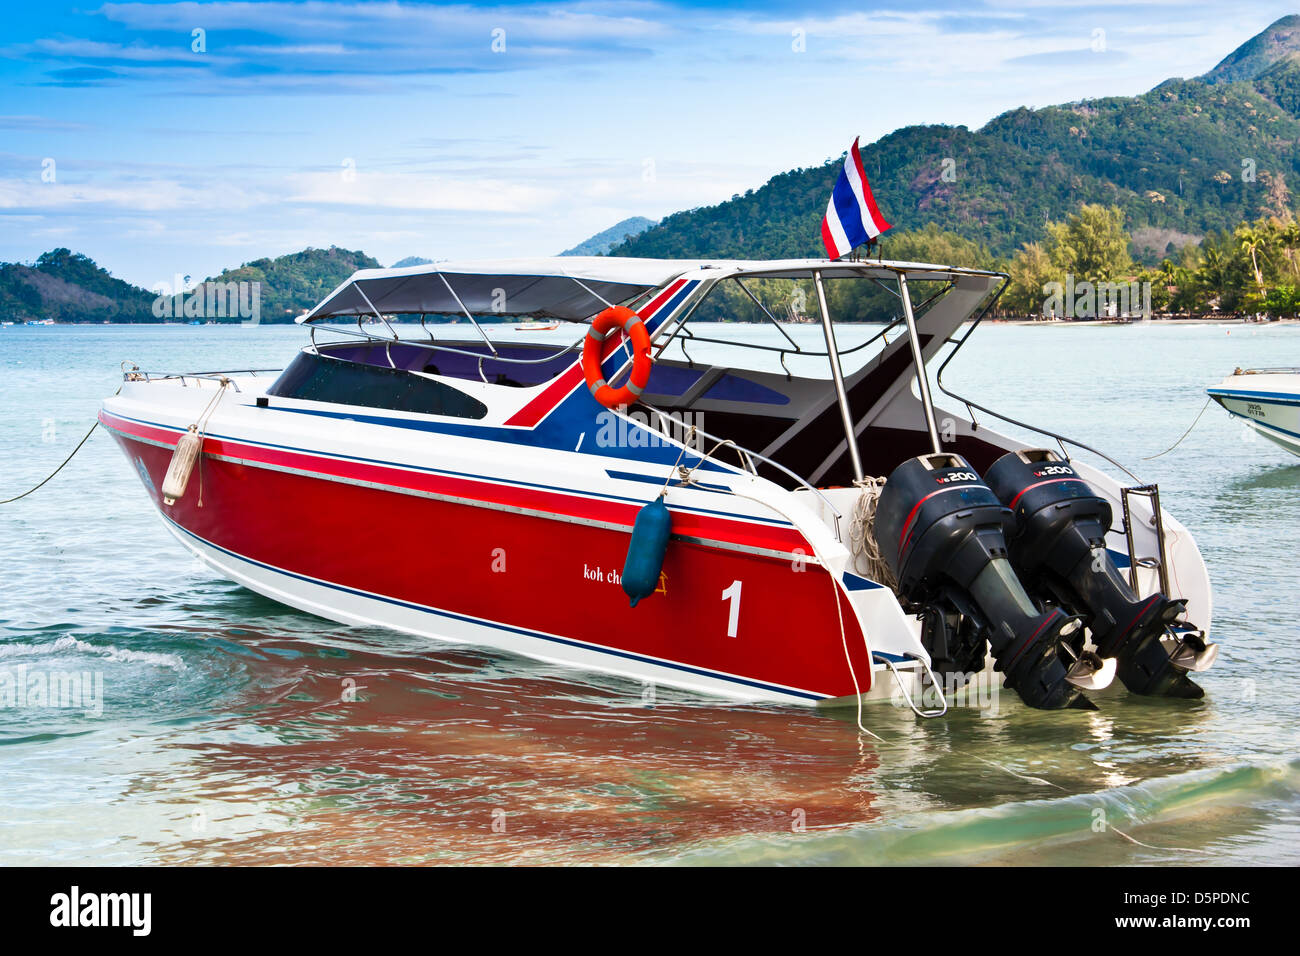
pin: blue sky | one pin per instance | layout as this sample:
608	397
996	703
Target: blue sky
479	130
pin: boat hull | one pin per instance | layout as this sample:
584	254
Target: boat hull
361	552
1268	403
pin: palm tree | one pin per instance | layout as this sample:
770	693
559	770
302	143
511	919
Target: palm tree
1212	274
1253	242
1289	236
1167	274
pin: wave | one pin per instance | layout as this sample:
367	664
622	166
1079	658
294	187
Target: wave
70	645
986	834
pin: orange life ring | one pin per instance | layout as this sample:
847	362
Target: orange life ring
617	317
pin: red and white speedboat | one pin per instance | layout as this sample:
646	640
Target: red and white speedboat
475	489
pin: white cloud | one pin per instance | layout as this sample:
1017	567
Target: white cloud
148	196
41	124
547	20
98	50
377	190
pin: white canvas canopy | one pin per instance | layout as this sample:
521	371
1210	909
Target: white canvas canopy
573	288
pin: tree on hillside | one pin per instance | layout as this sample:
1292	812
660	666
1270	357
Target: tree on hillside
1091	244
1030	269
1223	276
1252	243
936	245
1289	238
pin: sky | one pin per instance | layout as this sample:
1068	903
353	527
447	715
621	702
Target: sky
167	139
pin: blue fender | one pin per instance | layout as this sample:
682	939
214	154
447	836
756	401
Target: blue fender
645	552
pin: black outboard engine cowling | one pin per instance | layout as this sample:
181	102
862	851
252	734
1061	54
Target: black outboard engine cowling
1058	549
942	532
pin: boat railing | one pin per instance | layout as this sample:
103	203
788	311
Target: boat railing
681	333
971	406
676	331
1266	371
433	346
137	374
746	456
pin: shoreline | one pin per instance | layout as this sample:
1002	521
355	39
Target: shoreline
1053	323
1224	320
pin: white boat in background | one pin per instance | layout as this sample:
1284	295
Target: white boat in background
1267	399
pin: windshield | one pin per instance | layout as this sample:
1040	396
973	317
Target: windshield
774	324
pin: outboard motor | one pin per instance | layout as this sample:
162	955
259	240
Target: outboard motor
941	531
1059	551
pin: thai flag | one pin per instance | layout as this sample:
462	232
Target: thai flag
852	216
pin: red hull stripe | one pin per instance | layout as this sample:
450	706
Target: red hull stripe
569	504
716	675
553	394
561	581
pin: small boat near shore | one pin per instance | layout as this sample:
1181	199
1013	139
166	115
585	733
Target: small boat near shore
1266	399
631	503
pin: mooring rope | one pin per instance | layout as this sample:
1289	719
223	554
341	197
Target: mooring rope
1185	434
862	538
1109	826
860	526
202	425
56	470
85	438
687	478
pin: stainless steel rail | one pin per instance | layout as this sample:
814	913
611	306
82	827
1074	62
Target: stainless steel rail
747	459
1061	440
435	347
918	356
143	375
837	376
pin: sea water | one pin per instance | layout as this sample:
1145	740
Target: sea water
231	729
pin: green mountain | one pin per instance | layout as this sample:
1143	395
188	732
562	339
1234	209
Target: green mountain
68	287
602	242
292	284
1187	157
410	261
1257	54
1281	83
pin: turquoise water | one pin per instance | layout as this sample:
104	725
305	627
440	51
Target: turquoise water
225	735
